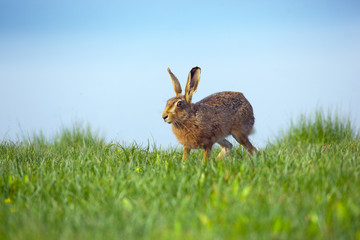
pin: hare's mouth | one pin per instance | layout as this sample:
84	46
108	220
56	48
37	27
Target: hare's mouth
166	119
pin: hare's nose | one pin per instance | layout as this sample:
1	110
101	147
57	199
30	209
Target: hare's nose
165	117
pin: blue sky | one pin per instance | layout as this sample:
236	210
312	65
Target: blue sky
104	63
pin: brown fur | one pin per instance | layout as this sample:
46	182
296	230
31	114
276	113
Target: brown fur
209	121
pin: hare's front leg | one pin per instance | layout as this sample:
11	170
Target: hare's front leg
185	153
207	154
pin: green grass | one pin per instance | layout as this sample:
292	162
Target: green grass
77	186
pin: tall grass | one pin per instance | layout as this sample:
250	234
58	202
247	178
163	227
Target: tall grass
320	128
79	186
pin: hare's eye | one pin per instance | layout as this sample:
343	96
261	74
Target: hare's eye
179	104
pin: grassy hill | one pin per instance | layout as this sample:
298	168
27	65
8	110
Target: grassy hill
305	185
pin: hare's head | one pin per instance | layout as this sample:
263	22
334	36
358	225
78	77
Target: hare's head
176	107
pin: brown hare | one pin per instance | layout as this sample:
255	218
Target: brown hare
209	121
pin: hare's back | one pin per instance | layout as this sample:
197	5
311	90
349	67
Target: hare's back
228	100
231	106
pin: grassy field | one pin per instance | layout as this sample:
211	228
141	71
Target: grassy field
305	185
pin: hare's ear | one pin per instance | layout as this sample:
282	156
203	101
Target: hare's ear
192	83
175	82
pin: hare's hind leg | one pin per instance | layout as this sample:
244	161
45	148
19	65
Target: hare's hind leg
226	147
243	140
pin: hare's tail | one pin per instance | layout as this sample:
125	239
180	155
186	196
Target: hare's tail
253	131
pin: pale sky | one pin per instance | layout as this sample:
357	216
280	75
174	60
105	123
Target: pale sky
104	63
